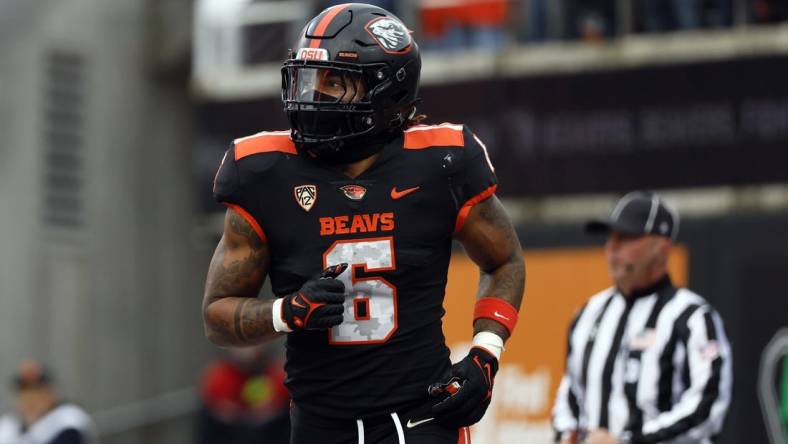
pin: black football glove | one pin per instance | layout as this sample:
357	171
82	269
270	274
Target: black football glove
467	390
319	304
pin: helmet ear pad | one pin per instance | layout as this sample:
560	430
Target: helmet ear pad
397	103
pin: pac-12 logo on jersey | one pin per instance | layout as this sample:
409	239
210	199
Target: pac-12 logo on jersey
305	195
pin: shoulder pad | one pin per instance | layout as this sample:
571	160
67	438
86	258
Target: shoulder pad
259	152
430	136
225	182
246	159
264	142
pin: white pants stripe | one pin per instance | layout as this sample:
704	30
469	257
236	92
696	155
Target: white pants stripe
397	424
360	427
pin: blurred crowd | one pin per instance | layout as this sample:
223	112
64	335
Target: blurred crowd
244	400
486	25
491	24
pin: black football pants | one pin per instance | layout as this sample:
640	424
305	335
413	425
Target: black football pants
405	427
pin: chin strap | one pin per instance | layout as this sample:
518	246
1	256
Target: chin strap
349	151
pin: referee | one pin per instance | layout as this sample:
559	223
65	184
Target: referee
646	362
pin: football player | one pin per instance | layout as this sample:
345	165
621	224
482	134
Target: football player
352	213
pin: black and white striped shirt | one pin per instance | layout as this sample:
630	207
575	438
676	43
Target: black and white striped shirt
655	367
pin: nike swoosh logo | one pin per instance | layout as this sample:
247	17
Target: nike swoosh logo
501	316
295	302
411	424
400	194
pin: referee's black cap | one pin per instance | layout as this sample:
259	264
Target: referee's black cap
639	212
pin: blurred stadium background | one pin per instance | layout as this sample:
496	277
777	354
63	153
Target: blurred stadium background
114	116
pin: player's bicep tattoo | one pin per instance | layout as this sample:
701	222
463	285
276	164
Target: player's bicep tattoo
239	226
240	263
238	269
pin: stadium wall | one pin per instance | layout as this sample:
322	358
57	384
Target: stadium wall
98	274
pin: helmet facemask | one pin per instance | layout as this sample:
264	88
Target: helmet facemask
334	105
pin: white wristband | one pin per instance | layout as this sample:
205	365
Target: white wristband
490	342
276	314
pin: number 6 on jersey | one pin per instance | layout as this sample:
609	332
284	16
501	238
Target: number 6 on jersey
370	302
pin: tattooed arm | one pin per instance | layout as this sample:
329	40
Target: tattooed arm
232	314
490	241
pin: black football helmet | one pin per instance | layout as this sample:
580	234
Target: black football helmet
350	83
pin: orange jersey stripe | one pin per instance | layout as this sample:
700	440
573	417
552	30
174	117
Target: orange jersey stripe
466	208
321	27
464	436
249	218
420	137
264	143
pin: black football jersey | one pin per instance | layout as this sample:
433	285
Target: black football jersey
393	225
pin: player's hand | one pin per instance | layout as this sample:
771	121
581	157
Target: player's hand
319	304
467	389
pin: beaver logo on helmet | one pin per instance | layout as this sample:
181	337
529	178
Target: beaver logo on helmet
390	34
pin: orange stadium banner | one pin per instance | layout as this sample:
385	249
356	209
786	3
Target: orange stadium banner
558	282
